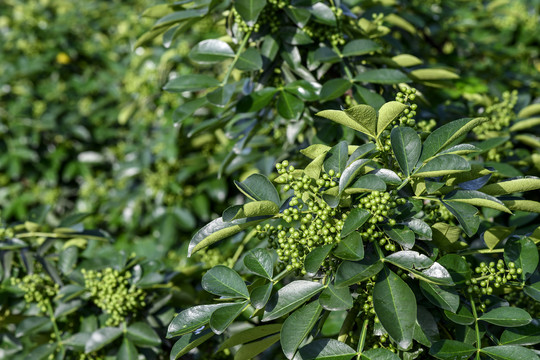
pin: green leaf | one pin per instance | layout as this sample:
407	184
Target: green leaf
434	74
224	281
524	254
350	247
221	96
477	198
256	100
382	76
189	342
336	299
251	209
444	136
101	338
409	259
334	88
528	111
303	89
462	316
509	352
407	146
388	113
507	317
523	335
360	152
218	230
127	351
355	219
326	54
447	236
211	51
388	176
315	150
343	118
364	115
327	349
495	235
336	158
290	297
350	173
313	169
142	334
349	273
191	82
297	326
249	335
461	149
300	16
224	316
395	306
512	186
443	165
420	228
191	319
443	297
367	96
30	325
523	205
457	266
178	16
379	354
360	47
257	187
249	60
249	10
289	106
249	351
42	352
525	124
451	350
369	182
402	235
315	258
295	36
533	291
407	60
260	262
466	215
260	295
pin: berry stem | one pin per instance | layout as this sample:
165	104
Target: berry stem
476	329
55	326
236	57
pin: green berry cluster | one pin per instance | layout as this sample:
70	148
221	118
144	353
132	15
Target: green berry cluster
500	115
213	257
270	15
426	126
521	300
407	96
436	212
112	292
38	288
490	276
322	33
242	24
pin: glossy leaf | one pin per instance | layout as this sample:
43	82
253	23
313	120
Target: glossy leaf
462	316
191	82
466	215
222	95
327	349
210	51
407	146
355	219
315	258
524	253
249	351
127	351
409	259
142	334
257	187
260	295
509	352
249	60
256	100
523	335
249	335
443	165
533	291
101	338
367	182
334	88
507	317
189	342
336	158
349	273
336	299
350	173
224	316
443	297
191	319
350	247
224	281
379	354
402	235
297	326
360	47
290	297
326	54
451	350
395	306
289	106
420	228
249	10
260	262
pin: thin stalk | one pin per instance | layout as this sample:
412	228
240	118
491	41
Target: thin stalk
480	251
55	327
243	244
280	276
476	329
236	57
55	235
362	340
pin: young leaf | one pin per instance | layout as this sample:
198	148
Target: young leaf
509	352
407	147
224	281
445	298
336	299
189	342
388	113
350	247
495	235
327	349
524	254
446	135
224	316
407	60
313	169
349	273
191	319
432	74
297	326
290	297
477	198
451	350
218	230
257	187
260	262
507	317
512	186
315	258
395	306
344	119
350	173
251	209
382	76
365	115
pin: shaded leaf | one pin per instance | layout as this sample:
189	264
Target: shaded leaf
407	146
290	297
297	326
